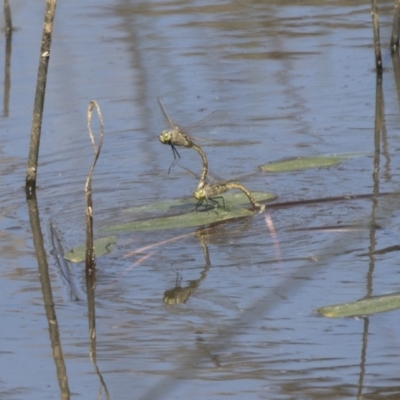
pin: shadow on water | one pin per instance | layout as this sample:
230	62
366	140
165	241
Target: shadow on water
238	318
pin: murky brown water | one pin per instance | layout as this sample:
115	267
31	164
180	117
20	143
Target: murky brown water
291	79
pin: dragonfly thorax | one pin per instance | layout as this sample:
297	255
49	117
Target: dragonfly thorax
175	137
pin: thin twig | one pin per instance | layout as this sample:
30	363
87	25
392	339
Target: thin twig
90	257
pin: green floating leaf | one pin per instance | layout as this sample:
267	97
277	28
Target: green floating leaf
188	220
232	199
303	163
102	247
373	305
159	206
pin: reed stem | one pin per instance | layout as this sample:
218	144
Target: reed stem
36	128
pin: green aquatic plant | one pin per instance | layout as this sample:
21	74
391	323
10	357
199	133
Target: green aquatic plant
369	306
303	163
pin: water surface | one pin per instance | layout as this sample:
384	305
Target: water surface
291	80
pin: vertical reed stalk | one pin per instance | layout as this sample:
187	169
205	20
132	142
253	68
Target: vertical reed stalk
90	256
39	95
394	41
377	43
7	63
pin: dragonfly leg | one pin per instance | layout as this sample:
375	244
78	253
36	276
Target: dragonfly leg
176	157
178	280
216	203
198	205
207	207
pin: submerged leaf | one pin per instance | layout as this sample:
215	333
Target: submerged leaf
303	163
188	220
191	219
232	199
101	246
372	305
159	206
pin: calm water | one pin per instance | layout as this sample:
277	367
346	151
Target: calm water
291	79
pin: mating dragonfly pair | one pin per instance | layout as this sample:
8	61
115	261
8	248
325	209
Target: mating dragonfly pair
205	192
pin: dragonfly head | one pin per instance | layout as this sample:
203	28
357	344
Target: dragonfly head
199	194
165	137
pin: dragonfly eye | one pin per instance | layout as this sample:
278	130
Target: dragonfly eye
199	194
165	137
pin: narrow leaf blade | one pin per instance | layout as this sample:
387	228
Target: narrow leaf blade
372	305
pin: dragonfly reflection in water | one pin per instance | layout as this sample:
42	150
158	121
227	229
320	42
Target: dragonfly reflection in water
176	136
182	294
179	295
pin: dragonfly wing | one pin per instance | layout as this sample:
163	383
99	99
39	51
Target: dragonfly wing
211	176
209	119
166	116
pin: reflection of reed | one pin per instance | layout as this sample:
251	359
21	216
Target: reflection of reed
91	286
65	273
363	359
380	127
48	297
384	139
7	81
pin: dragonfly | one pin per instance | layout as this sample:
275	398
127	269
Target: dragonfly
176	136
179	295
210	193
